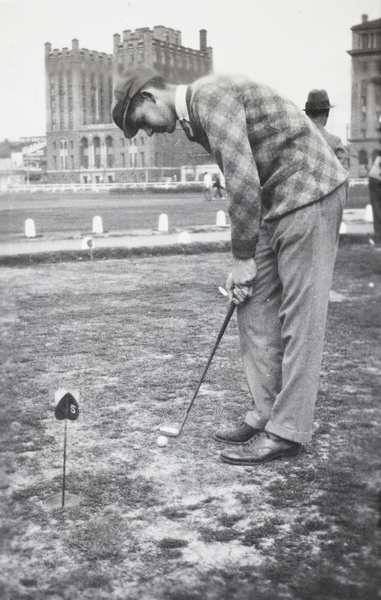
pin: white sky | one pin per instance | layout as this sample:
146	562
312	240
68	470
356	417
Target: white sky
292	45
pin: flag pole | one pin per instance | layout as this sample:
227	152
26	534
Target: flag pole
64	467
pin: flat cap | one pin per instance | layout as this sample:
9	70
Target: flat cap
127	85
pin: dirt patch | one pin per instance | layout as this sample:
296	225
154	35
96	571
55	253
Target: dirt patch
175	523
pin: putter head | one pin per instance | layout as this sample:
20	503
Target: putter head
170	431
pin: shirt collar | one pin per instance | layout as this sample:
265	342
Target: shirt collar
180	103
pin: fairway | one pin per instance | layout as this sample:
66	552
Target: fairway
175	523
61	214
64	213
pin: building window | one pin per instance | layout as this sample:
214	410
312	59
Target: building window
71	161
97	152
93	98
84	96
140	53
84	153
63	155
55	162
363	157
131	54
142	159
123	159
109	151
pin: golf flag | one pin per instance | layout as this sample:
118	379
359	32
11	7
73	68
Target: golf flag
67	408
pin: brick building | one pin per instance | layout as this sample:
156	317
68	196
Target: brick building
83	144
365	134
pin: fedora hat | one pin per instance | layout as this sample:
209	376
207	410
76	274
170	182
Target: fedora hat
318	100
127	85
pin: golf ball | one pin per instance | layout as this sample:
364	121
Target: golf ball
162	441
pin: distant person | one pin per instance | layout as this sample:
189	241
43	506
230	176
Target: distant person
375	197
207	186
286	194
217	187
317	109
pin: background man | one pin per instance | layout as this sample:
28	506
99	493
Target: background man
375	197
286	196
317	109
207	186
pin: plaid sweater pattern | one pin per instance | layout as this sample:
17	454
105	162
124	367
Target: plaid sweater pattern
273	158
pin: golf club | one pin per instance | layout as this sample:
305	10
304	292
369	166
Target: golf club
173	431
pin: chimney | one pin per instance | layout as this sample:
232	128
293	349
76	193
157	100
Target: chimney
202	40
364	18
116	43
75	45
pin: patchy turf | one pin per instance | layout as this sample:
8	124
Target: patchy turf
175	523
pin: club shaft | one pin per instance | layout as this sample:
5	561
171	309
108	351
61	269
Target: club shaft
221	333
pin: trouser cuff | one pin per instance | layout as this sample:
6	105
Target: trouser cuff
301	437
255	421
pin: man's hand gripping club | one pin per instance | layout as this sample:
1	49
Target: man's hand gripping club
240	282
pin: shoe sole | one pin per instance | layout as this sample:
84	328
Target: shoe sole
224	441
282	454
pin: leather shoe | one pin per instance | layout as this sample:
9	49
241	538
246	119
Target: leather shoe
262	449
236	435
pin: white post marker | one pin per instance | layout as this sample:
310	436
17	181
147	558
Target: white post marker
221	219
369	213
183	238
97	225
163	223
30	230
343	228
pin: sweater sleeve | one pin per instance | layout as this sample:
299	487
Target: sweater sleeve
222	117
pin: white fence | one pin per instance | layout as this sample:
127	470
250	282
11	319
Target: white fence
102	187
359	181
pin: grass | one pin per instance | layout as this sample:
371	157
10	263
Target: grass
176	523
64	214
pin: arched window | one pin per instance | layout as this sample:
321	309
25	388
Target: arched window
109	151
84	153
97	152
63	154
363	157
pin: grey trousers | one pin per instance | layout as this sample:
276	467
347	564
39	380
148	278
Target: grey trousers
375	199
281	328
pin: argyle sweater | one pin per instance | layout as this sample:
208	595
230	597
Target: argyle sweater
273	158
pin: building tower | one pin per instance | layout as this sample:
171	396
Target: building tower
365	135
78	87
83	144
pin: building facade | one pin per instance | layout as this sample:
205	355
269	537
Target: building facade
365	133
83	144
22	162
